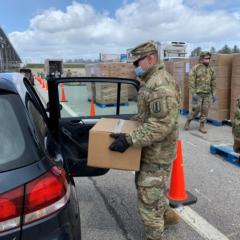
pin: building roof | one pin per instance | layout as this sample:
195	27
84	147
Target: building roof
8	54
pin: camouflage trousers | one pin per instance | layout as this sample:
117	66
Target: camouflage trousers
200	106
152	184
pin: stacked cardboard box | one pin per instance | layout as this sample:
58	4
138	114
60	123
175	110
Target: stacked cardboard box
124	70
178	70
235	84
192	62
222	65
106	93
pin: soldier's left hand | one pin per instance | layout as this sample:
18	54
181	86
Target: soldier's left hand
120	144
214	99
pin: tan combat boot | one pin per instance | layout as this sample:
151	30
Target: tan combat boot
202	129
187	125
170	217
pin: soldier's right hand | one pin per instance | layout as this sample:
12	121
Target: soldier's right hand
195	97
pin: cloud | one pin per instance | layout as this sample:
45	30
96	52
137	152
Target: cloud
82	31
201	3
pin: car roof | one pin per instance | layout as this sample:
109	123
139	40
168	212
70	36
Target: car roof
12	82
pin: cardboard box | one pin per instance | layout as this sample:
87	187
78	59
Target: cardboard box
223	83
99	154
218	114
114	70
235	94
193	61
178	70
235	88
223	71
221	59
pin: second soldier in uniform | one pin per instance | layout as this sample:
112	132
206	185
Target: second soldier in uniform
202	87
236	128
157	134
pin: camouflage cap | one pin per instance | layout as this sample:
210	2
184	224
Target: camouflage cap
205	53
142	50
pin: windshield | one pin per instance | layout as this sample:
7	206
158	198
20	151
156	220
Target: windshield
17	146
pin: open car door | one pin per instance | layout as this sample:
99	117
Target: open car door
70	103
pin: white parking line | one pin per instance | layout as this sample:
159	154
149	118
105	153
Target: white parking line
191	143
202	195
69	110
199	224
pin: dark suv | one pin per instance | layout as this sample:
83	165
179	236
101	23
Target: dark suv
41	150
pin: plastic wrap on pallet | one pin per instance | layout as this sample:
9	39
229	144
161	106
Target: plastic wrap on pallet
107	93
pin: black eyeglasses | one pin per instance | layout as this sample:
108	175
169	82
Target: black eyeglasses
136	63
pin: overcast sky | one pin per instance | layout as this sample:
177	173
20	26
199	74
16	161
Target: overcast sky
83	29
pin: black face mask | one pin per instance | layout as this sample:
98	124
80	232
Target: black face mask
205	63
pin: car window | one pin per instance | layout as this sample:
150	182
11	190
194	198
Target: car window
18	146
12	144
38	122
77	99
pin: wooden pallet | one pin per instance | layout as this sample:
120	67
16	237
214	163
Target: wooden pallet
184	112
226	150
214	122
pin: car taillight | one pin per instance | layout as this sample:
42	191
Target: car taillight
45	195
11	204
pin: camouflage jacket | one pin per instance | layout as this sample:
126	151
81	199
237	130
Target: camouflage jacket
236	122
202	79
158	107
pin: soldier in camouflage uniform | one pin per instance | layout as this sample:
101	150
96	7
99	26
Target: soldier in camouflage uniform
157	134
202	87
236	128
69	73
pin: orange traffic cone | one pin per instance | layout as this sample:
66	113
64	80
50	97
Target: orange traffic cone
177	194
43	84
63	97
92	109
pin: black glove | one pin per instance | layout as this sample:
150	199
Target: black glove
120	144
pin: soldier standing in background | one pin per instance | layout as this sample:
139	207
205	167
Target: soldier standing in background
202	86
69	73
236	129
157	134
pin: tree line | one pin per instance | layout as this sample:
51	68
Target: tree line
81	60
224	50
